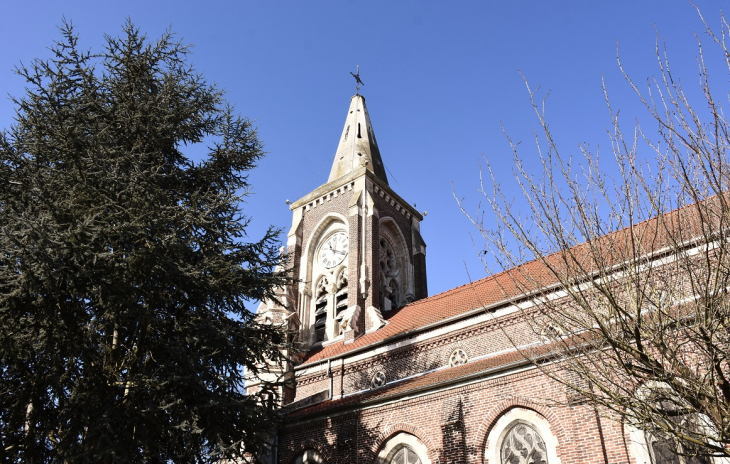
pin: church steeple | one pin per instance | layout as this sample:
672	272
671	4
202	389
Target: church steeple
357	147
355	245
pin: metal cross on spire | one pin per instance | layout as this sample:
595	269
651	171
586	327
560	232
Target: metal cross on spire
358	82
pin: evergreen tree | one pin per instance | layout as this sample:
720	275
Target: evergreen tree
124	275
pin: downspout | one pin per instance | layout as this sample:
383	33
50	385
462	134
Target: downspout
276	446
357	437
332	379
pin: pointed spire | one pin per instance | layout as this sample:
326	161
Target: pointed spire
357	146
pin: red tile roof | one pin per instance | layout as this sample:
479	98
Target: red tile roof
654	236
600	254
446	305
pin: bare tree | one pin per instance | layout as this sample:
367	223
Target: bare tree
628	276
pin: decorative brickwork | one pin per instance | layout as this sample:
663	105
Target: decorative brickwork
477	341
455	423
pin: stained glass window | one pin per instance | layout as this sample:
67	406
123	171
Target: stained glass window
405	455
523	445
664	451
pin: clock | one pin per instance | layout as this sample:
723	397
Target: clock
334	250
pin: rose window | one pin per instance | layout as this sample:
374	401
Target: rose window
458	357
550	333
378	379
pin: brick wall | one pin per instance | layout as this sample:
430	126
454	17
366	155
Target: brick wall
455	425
478	340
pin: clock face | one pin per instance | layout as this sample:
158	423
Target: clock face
334	250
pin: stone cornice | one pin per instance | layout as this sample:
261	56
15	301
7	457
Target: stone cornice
344	183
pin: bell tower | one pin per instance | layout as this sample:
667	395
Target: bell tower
355	245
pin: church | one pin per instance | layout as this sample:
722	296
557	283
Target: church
390	375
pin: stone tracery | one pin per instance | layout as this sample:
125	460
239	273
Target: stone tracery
403	448
458	357
523	445
388	263
659	447
405	455
389	276
378	379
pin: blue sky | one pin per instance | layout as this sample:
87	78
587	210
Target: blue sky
441	80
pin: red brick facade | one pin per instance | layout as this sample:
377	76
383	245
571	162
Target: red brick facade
441	376
456	413
454	424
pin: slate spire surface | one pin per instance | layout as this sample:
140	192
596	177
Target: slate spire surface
357	147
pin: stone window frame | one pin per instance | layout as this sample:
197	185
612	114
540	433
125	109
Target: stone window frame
309	456
312	271
398	441
639	447
638	439
403	454
509	419
323	282
450	349
390	231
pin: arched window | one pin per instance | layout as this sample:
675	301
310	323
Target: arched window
403	448
396	268
652	445
404	455
521	436
341	292
326	254
389	276
523	445
321	295
663	449
659	448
